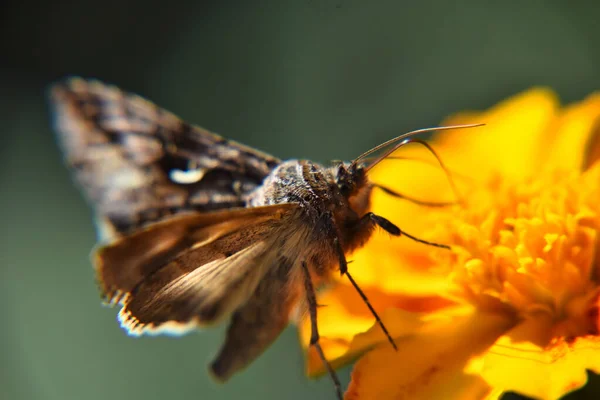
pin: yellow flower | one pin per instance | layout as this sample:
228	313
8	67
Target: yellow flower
514	306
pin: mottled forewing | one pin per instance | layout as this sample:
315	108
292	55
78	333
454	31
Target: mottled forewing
131	157
123	265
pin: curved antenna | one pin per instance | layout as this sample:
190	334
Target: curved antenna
440	162
402	137
414	200
427	162
407	139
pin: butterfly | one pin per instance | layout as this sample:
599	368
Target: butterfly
195	229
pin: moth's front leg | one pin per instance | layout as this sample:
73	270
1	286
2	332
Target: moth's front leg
311	299
389	227
344	271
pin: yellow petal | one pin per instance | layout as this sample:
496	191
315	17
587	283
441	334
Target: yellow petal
419	177
377	264
574	132
511	143
494	394
430	364
542	373
344	316
592	153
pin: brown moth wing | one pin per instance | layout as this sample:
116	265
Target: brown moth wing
203	282
259	321
123	264
175	299
124	152
203	285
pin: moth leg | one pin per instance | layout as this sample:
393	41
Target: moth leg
392	229
366	220
314	335
344	271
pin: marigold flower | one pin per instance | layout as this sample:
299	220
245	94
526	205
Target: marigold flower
514	306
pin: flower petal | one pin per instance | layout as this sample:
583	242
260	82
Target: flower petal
419	176
430	364
377	265
592	153
542	373
344	316
576	127
511	142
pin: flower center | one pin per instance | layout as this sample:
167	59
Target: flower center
531	246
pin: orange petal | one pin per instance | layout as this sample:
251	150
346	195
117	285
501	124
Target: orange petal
398	265
559	368
511	143
576	126
431	363
420	177
592	153
344	315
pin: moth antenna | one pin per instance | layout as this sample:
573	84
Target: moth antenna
373	158
402	137
407	139
440	162
454	174
425	203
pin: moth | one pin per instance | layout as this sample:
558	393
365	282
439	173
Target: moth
194	229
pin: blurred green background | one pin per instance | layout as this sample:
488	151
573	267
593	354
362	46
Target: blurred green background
299	79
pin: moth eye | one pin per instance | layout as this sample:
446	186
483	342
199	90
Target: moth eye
186	177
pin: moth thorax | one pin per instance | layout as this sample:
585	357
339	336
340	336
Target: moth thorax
295	181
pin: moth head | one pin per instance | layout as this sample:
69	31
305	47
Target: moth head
350	178
352	182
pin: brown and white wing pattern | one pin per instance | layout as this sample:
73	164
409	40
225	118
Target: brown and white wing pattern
191	270
131	157
197	269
